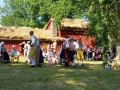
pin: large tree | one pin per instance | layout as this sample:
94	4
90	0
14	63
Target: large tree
24	13
104	21
103	15
36	13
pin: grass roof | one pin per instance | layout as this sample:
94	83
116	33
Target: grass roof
23	33
74	23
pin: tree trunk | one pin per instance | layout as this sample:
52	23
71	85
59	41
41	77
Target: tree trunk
118	36
105	45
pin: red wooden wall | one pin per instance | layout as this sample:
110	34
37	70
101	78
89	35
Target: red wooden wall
45	43
61	33
88	40
48	26
8	44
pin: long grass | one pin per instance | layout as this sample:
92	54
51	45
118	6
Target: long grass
92	76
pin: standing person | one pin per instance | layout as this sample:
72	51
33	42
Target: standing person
28	51
72	50
33	49
0	54
24	49
48	48
41	58
90	53
49	54
54	45
5	56
64	53
39	55
80	51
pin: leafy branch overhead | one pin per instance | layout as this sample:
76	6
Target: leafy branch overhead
103	16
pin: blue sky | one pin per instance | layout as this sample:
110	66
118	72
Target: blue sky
1	2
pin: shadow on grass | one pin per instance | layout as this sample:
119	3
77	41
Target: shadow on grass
92	76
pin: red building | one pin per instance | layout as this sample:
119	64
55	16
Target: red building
69	28
14	36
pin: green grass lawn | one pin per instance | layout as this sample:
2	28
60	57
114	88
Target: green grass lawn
92	76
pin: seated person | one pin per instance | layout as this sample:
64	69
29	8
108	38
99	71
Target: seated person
4	53
53	60
52	57
14	54
113	64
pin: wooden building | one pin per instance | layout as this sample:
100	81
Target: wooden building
15	35
69	28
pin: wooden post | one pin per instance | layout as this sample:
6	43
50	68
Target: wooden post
53	28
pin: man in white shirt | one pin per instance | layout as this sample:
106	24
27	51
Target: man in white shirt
33	49
72	50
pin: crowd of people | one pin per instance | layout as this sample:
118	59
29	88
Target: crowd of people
71	50
32	52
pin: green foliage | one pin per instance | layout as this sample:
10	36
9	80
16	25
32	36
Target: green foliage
60	9
103	16
22	13
36	13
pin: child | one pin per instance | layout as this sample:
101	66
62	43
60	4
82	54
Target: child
52	57
53	60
